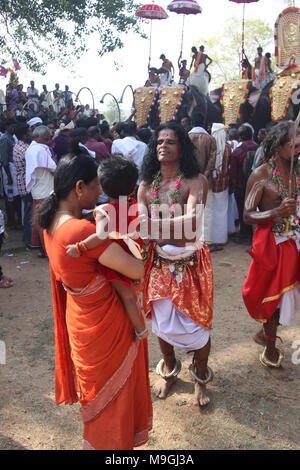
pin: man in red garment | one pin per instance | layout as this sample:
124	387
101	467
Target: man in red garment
271	291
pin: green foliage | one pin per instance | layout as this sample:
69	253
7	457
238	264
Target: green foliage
111	112
40	31
226	48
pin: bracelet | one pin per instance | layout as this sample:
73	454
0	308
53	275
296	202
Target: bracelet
83	246
78	249
142	334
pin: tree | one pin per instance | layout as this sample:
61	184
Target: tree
226	48
41	31
111	113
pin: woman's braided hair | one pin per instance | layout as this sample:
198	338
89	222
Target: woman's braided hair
278	136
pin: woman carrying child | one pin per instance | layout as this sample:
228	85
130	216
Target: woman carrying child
99	360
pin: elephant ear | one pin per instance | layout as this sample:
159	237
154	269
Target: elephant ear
170	102
143	99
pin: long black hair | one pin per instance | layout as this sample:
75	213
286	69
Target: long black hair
78	134
70	170
278	136
188	162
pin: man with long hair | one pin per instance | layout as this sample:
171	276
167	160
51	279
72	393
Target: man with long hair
178	287
271	291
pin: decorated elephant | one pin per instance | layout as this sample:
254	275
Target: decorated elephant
241	102
158	105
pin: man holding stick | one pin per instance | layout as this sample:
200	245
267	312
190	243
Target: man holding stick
271	291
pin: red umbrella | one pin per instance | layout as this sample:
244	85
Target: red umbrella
151	12
243	33
184	7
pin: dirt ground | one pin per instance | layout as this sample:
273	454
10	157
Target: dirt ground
252	407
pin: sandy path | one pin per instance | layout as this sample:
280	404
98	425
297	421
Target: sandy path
253	407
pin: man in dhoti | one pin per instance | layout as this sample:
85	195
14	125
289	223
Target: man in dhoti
271	291
166	71
205	151
178	287
40	168
263	72
221	186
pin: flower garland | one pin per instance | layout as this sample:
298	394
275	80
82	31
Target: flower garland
278	180
156	96
173	195
178	106
287	106
291	224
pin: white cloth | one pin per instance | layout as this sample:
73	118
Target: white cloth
290	301
39	170
32	93
34	121
177	329
14	188
233	214
208	219
233	144
219	134
91	152
2	223
133	148
171	325
220	217
198	130
199	80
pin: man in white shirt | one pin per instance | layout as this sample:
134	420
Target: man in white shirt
129	146
39	179
33	95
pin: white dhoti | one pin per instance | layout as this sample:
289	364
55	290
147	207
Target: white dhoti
199	80
290	301
208	219
220	217
233	214
172	326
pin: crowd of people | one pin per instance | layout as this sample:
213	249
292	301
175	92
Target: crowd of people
60	178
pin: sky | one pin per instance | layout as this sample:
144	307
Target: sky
100	74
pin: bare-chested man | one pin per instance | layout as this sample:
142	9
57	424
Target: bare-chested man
184	73
200	58
272	291
178	288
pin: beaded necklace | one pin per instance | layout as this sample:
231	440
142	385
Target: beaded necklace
173	195
290	224
278	180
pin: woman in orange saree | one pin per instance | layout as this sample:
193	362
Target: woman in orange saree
98	360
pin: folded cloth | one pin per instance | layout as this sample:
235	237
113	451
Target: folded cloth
34	121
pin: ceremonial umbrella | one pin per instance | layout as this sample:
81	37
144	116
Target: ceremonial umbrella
184	7
243	33
151	12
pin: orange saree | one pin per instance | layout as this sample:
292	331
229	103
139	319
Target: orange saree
98	361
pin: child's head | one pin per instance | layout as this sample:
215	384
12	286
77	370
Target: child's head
118	176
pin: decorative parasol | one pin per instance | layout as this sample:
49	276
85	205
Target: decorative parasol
243	33
151	12
184	7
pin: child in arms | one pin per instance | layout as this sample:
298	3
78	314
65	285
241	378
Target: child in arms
118	177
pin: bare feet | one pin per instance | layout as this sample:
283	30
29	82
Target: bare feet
201	397
162	387
259	338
